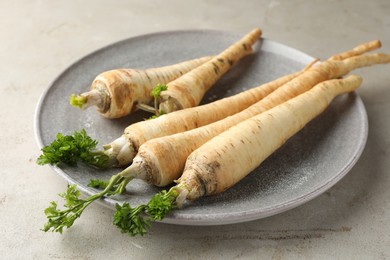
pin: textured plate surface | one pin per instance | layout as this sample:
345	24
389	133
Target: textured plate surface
306	166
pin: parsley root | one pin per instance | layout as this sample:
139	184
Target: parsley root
116	93
358	50
189	89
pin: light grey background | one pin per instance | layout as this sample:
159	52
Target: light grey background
39	39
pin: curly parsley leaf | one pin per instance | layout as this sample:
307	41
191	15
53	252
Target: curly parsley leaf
129	220
161	204
136	221
70	149
58	219
98	184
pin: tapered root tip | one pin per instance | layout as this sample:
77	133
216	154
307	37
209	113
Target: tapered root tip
378	44
358	50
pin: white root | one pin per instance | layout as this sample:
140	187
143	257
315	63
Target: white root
121	150
181	198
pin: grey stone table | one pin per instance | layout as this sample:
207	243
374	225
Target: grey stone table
39	39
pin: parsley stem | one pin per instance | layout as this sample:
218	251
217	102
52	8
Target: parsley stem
58	219
122	186
117	179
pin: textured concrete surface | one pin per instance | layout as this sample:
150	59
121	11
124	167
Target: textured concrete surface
41	38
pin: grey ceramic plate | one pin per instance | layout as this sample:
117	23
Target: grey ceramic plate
307	165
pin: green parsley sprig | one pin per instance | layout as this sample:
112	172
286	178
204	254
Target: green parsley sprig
70	149
58	219
137	221
133	221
